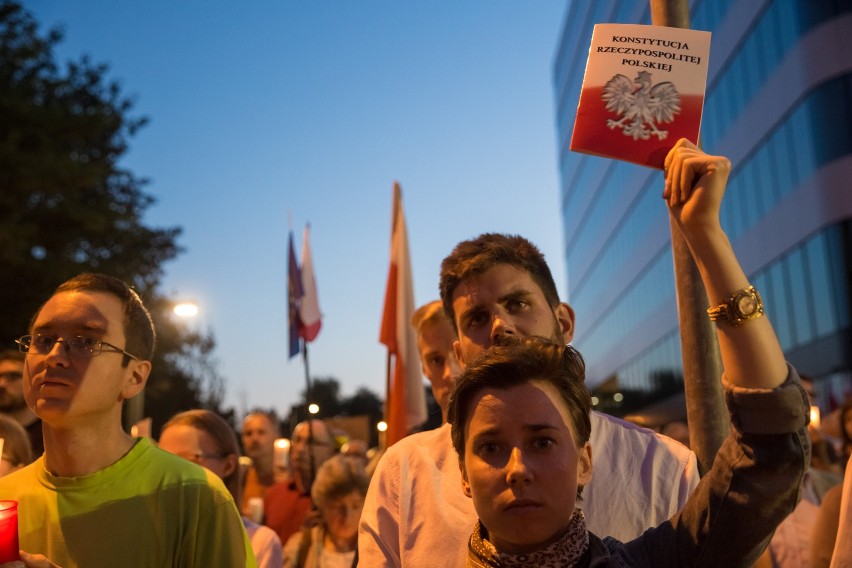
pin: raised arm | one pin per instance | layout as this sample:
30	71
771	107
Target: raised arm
695	184
754	482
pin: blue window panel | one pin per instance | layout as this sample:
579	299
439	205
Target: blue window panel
774	16
818	270
838	257
629	310
802	303
677	353
706	15
787	18
764	49
830	110
646	212
800	122
780	307
755	64
732	93
779	184
731	206
789	172
765	179
748	205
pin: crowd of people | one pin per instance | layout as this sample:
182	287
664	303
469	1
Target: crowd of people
521	473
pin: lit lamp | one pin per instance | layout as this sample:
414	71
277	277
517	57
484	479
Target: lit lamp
186	309
382	427
9	531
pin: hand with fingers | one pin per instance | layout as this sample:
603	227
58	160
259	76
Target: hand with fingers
695	184
30	561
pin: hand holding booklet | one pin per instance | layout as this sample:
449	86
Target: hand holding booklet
642	91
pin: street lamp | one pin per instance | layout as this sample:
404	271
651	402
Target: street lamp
185	309
313	408
134	408
382	427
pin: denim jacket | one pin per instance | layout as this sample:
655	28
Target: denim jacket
752	486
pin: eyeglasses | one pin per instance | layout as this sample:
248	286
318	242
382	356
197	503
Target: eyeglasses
199	457
78	346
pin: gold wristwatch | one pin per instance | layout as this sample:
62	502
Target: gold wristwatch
743	305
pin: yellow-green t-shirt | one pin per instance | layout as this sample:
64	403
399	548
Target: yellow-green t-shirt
149	509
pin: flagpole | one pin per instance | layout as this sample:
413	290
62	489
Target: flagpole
387	398
307	406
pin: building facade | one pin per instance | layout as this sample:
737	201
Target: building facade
779	105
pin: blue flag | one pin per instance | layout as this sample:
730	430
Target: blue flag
294	293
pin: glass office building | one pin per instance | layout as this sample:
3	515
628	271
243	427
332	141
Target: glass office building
779	104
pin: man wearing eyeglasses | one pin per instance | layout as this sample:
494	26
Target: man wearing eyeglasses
98	497
12	402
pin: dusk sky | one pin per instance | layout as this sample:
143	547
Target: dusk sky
266	111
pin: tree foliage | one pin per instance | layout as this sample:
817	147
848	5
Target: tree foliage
67	205
325	392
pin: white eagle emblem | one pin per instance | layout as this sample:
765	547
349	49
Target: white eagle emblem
638	104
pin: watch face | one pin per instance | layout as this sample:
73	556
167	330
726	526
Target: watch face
747	304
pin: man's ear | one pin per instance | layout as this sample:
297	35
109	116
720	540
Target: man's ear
136	378
231	462
584	465
465	482
565	316
457	352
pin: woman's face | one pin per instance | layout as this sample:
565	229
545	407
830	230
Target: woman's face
341	516
522	465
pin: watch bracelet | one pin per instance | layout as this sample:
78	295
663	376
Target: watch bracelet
726	310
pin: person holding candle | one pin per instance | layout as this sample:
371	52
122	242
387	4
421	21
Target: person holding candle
97	496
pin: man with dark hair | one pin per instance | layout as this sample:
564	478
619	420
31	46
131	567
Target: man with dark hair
476	256
98	497
12	403
496	287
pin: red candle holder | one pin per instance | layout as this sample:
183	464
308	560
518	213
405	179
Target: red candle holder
9	531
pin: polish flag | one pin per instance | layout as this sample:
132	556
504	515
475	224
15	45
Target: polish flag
405	406
310	318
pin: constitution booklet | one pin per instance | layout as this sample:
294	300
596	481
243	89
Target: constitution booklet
642	91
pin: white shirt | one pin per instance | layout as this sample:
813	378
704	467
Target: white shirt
415	513
265	544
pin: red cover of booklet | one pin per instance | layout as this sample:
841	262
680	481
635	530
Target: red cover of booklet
642	91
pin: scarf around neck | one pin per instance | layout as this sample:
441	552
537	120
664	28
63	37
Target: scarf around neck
563	553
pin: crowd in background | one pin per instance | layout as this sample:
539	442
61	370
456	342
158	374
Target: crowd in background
518	426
